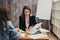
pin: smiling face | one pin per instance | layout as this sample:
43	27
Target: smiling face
27	12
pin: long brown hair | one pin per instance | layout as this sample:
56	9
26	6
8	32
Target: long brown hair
25	7
4	11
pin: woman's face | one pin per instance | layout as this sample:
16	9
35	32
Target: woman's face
27	12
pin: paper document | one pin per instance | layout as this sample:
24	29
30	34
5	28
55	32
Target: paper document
36	36
34	29
43	30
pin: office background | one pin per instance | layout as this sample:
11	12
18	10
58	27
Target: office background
16	7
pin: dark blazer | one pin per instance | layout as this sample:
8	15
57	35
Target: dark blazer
22	24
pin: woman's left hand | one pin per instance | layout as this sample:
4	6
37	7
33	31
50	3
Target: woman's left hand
39	27
28	29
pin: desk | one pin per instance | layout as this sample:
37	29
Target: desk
26	37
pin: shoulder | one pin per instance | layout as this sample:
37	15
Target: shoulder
20	16
32	16
10	25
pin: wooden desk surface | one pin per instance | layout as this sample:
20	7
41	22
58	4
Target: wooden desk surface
26	37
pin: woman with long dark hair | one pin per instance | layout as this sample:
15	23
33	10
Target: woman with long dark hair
3	24
7	30
26	20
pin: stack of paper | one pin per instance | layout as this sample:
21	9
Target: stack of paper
43	30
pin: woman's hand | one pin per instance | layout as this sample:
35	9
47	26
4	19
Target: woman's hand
27	29
30	27
18	30
39	27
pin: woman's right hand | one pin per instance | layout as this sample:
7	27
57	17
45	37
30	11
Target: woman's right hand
27	29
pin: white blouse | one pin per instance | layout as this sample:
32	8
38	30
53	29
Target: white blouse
27	23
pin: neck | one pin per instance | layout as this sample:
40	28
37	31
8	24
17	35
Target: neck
26	16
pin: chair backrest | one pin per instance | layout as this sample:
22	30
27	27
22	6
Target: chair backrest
37	20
